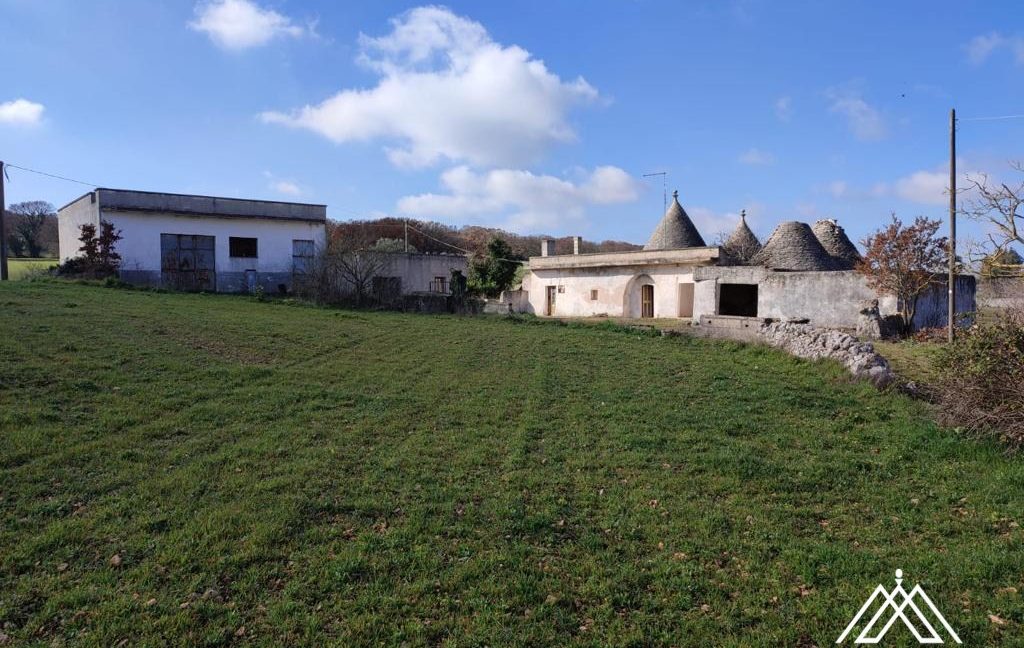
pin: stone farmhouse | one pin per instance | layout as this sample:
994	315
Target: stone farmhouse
800	273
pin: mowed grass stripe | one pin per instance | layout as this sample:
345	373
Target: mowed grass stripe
326	477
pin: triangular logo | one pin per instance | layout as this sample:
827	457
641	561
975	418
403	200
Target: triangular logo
900	606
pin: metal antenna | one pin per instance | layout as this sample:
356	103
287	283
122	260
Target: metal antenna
664	186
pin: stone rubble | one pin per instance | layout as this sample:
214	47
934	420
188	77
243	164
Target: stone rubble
806	341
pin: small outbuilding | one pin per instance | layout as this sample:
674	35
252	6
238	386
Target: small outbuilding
189	242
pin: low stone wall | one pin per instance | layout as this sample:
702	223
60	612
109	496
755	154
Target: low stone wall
806	341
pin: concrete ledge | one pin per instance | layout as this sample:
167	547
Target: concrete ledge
683	256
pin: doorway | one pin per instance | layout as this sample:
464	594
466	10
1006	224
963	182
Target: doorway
549	303
647	301
686	300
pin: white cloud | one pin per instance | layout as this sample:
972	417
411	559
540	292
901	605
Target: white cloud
241	24
448	92
756	157
286	187
713	225
520	200
981	47
838	188
784	108
864	120
282	185
21	112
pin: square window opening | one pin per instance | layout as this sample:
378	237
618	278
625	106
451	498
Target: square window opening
242	247
739	300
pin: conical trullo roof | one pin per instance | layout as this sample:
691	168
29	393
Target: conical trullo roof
793	246
833	238
675	230
742	245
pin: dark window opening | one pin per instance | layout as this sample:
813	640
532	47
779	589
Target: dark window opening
242	247
737	299
387	289
593	294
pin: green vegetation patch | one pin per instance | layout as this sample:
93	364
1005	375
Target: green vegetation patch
202	470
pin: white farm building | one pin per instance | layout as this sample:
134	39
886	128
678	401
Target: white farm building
188	242
801	272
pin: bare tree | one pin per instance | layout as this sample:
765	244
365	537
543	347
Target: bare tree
998	205
345	270
357	262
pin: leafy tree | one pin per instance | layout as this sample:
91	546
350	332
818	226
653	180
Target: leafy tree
494	271
391	245
1002	263
27	229
904	260
99	256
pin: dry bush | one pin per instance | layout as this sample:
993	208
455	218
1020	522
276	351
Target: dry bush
981	389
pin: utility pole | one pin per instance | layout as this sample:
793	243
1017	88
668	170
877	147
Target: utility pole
3	231
951	310
407	236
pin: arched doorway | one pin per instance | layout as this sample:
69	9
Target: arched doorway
639	299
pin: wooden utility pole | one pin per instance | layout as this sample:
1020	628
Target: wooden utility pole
951	310
3	230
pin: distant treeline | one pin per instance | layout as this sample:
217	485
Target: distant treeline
437	237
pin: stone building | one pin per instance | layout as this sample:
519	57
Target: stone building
801	272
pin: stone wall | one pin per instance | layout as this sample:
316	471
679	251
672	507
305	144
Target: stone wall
805	341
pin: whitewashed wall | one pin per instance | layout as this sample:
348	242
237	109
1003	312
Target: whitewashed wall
140	245
618	290
69	224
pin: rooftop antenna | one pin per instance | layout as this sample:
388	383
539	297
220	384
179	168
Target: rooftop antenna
664	187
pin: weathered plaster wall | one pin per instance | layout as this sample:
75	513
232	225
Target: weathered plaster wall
140	245
618	290
827	299
417	271
69	221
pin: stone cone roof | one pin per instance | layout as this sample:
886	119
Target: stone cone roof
793	246
675	230
833	238
742	245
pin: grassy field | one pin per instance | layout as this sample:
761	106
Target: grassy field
18	268
207	470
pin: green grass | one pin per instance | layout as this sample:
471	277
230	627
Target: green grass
282	475
18	268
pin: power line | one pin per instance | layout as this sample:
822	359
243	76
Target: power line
990	118
51	175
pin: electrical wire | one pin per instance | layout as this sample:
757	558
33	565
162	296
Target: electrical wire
50	175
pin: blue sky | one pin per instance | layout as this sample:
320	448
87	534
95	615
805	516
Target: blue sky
538	116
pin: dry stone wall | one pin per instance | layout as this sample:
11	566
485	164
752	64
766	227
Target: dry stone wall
805	341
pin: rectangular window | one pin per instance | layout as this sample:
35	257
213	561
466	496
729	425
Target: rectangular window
439	284
561	289
239	246
593	294
737	299
303	252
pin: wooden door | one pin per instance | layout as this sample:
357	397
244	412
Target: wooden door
647	301
686	300
549	308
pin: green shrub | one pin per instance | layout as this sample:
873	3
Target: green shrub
981	380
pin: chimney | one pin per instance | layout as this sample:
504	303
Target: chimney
547	247
577	243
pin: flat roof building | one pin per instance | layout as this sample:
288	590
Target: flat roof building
190	242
